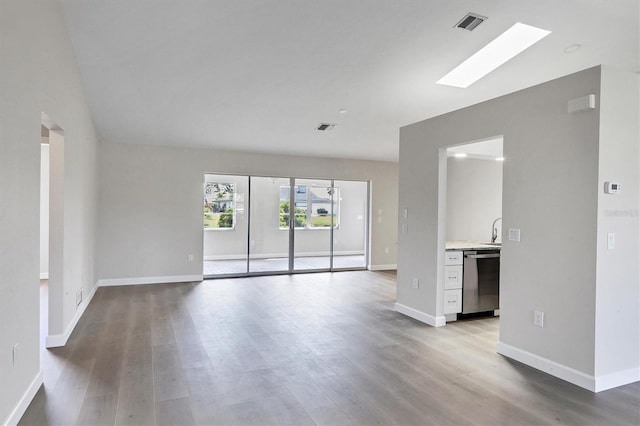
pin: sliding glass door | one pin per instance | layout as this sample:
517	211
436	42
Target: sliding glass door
272	225
314	213
225	225
269	246
350	234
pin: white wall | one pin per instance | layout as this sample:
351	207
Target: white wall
474	198
553	267
44	211
38	75
232	243
138	239
617	284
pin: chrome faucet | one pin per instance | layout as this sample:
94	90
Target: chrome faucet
494	230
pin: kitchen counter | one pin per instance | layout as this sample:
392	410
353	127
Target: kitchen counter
472	245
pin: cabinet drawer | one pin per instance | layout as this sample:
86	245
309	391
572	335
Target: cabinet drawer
453	258
452	301
452	277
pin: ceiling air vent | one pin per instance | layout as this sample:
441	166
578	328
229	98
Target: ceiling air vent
325	127
470	21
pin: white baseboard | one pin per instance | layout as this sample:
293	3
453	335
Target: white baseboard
420	316
390	267
149	280
560	371
24	402
44	275
58	340
451	317
619	378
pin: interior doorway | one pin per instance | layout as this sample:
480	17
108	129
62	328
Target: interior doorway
52	161
473	229
44	234
263	225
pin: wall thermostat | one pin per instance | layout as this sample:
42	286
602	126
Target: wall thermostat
612	187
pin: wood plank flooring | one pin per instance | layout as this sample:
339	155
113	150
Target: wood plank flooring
303	349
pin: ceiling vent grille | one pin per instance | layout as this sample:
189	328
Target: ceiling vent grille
325	127
470	21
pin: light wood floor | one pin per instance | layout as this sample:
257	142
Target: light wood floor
302	349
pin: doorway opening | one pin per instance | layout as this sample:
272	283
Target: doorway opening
44	234
473	229
52	162
263	225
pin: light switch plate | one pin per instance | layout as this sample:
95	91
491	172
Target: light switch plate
611	240
538	318
514	234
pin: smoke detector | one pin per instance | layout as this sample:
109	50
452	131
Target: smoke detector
325	127
470	21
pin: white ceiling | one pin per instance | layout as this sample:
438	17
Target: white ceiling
260	75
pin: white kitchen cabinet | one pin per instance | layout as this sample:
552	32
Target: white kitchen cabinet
452	277
453	282
453	258
452	301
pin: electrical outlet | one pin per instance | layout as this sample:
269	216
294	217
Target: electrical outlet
79	297
190	257
416	283
538	318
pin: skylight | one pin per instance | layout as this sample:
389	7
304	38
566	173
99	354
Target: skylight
507	45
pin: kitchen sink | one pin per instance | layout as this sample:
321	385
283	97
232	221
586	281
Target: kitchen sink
492	244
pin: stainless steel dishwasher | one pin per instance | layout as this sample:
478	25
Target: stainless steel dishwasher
481	281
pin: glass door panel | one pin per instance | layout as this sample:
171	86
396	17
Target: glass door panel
269	225
225	225
350	235
263	225
315	211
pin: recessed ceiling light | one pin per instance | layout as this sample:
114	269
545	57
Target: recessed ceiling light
459	155
499	158
343	111
507	45
572	48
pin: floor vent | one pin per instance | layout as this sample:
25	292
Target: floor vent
325	127
470	21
